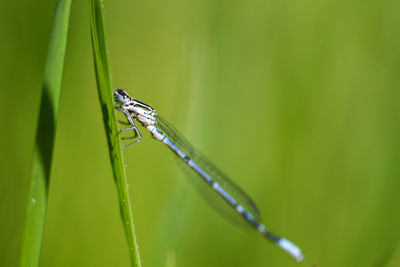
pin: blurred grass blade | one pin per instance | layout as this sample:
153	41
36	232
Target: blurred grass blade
45	135
103	77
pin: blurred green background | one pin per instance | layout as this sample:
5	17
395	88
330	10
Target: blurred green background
298	101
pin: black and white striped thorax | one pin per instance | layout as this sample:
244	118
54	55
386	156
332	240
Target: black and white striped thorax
144	113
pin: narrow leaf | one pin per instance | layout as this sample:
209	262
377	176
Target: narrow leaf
103	77
45	135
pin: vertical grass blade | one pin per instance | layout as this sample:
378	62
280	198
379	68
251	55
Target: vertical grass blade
45	135
103	78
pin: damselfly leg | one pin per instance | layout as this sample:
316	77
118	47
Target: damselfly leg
134	127
124	122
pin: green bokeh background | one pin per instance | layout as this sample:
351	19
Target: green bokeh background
298	101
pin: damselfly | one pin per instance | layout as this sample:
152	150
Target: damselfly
212	181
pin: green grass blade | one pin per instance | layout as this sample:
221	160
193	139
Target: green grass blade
103	78
45	135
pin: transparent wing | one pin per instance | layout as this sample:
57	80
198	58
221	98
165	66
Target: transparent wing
211	196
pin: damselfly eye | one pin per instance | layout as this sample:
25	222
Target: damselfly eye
121	96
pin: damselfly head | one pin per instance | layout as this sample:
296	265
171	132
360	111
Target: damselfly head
120	96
